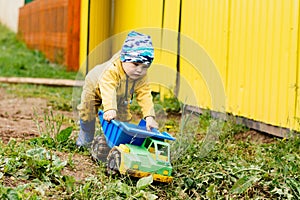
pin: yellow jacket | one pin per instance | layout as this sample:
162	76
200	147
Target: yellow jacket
112	89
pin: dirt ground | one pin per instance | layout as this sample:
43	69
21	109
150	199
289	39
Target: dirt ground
255	137
18	117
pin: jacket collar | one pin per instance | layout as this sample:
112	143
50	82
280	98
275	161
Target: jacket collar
118	64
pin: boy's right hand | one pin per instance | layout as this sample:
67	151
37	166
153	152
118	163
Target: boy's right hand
151	123
109	115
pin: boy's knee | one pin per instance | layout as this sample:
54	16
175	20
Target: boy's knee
87	111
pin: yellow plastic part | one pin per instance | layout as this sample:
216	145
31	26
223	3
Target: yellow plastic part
122	169
135	166
165	172
124	148
156	177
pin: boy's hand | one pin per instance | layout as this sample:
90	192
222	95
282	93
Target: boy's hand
151	123
109	115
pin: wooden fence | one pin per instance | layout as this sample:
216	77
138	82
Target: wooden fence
52	26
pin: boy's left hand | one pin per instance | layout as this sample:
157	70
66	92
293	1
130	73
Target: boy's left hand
151	123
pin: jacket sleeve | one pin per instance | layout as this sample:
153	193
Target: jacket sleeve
108	84
144	97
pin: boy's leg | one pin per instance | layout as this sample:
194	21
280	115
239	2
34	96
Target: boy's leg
87	116
90	98
86	133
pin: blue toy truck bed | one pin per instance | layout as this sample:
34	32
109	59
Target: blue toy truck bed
117	132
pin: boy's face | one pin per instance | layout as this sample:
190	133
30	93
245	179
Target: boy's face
135	70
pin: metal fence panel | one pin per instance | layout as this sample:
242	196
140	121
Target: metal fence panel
262	60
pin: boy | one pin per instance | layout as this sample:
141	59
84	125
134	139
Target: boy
113	84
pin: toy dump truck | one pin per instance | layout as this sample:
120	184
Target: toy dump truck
136	151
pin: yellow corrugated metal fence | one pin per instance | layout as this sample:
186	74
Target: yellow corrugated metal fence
246	50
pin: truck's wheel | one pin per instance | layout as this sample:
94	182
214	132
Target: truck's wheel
99	149
113	161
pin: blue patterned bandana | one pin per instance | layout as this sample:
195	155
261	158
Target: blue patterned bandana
137	48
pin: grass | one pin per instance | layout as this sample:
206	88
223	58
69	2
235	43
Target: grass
233	169
209	162
17	60
59	98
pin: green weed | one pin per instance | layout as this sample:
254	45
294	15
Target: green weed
51	134
39	168
170	105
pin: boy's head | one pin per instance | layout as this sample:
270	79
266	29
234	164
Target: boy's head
137	48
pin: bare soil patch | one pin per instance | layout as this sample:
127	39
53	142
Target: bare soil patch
82	167
255	137
16	116
17	121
